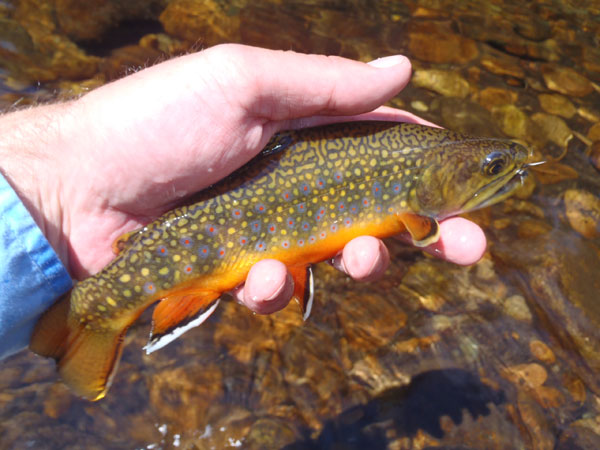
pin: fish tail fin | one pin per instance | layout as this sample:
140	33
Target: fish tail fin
86	358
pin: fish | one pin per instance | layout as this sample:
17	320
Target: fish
307	194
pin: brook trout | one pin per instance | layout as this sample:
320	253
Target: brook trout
300	201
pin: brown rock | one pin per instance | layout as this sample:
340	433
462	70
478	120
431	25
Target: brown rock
583	211
183	395
516	307
575	387
532	228
554	172
536	423
492	96
58	401
526	189
532	28
503	66
591	58
566	80
442	48
465	116
595	155
542	352
511	120
91	19
204	21
530	376
594	132
444	82
554	128
557	104
374	331
588	113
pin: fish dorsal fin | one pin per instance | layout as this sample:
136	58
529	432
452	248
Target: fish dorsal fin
304	288
176	314
423	230
125	240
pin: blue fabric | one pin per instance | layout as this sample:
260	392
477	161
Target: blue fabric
32	276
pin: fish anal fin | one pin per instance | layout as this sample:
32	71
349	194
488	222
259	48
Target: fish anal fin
423	230
124	241
178	313
303	288
86	357
51	331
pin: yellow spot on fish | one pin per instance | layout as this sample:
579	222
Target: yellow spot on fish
176	258
111	301
125	278
145	271
163	271
101	307
126	293
231	230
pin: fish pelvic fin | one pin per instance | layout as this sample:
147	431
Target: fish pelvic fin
86	358
304	288
125	240
178	313
423	230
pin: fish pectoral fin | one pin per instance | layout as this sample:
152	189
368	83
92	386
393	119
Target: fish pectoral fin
86	358
423	230
124	241
304	288
176	314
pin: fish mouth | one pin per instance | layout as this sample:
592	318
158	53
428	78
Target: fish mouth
497	191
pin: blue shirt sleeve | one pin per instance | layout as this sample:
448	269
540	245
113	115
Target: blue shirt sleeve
32	276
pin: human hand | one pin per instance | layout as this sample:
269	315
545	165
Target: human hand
125	153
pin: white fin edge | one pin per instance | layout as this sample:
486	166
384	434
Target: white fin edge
168	338
311	294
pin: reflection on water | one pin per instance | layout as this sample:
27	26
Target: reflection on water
500	355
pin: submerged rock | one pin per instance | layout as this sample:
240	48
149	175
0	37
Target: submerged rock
583	211
444	82
566	80
557	104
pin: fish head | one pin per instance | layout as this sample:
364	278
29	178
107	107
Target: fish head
467	174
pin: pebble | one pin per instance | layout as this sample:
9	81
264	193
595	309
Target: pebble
554	128
531	375
493	96
512	120
442	48
503	66
516	307
445	82
566	80
542	352
595	155
557	104
594	132
583	212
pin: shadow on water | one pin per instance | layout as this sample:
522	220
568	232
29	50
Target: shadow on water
417	406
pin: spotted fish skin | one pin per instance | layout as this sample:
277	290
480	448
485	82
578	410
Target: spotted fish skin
307	194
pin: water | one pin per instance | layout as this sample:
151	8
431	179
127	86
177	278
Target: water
503	354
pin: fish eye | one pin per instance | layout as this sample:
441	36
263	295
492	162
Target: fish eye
494	164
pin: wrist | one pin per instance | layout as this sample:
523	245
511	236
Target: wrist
30	151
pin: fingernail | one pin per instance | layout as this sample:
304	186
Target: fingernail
388	61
